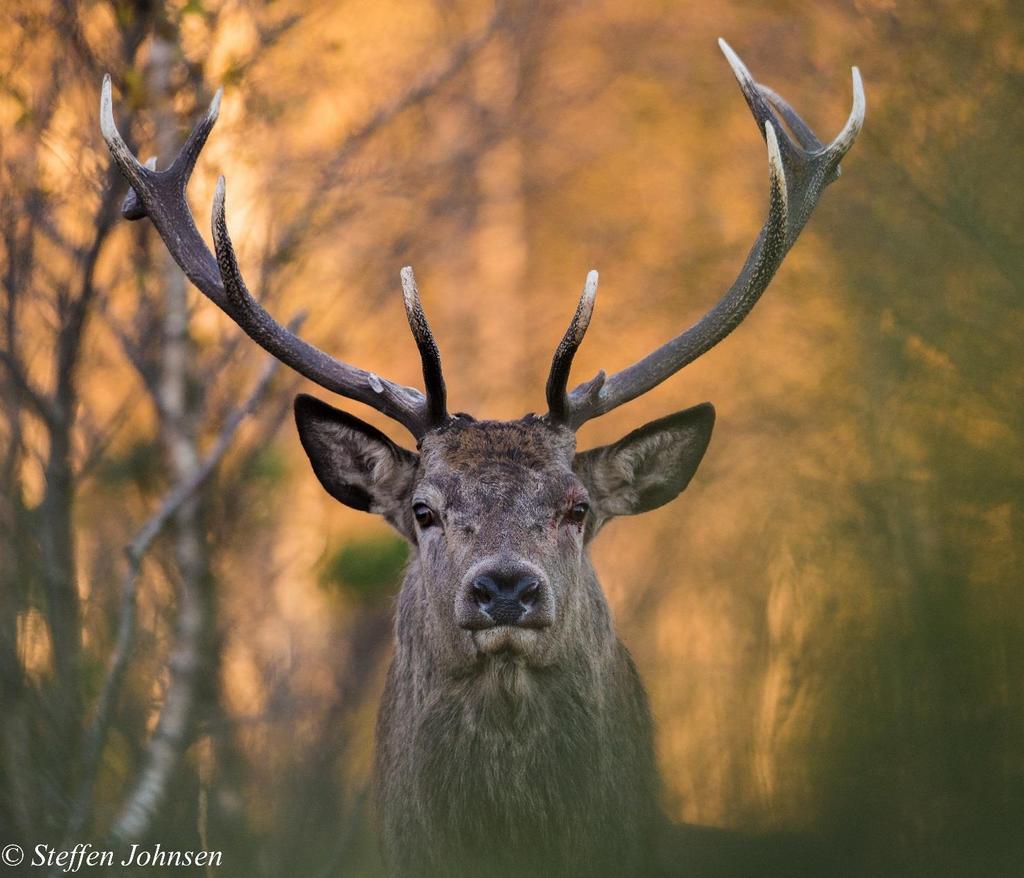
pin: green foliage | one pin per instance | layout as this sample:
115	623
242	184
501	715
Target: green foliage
139	464
233	73
368	569
267	466
193	7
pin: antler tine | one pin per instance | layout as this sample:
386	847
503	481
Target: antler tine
403	404
133	171
160	195
801	130
433	377
561	363
181	169
845	138
798	173
188	155
807	138
759	104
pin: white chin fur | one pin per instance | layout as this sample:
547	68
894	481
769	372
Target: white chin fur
518	641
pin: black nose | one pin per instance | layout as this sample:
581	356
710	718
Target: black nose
506	596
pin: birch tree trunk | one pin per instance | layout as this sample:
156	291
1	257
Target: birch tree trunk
193	653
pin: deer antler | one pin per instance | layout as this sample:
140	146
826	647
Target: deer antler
798	171
160	195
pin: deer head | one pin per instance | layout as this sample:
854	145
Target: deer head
499	513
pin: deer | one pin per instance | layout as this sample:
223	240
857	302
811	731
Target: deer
514	735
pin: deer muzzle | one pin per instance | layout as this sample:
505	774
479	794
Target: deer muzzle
505	593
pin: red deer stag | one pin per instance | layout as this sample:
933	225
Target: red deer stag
514	736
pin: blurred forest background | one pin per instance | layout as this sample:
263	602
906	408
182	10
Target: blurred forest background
830	622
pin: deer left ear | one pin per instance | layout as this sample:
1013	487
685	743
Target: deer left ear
649	467
355	462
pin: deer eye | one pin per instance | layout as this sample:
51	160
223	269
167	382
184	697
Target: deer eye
424	515
577	513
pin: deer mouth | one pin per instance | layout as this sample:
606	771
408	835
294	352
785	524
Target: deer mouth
506	640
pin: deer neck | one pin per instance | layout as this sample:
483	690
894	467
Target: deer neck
507	747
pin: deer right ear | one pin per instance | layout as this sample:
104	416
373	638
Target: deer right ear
649	467
355	462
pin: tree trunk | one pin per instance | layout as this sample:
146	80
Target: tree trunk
193	655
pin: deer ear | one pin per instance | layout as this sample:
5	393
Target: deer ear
649	467
355	462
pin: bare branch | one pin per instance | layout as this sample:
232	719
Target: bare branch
138	807
24	387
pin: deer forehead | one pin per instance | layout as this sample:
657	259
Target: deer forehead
530	442
498	459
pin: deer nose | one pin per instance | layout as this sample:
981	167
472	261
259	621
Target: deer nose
506	596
